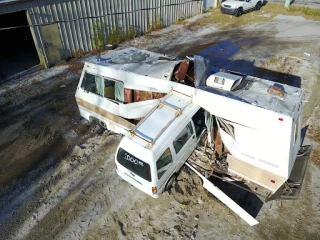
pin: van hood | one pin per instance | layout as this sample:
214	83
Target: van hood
232	3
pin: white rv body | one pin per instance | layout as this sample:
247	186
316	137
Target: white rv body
266	129
129	68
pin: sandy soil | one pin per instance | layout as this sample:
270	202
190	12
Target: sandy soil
57	173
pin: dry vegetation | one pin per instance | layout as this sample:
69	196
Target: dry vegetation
315	133
265	14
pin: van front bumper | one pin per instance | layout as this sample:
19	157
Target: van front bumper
231	11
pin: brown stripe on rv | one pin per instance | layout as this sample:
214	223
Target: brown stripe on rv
110	116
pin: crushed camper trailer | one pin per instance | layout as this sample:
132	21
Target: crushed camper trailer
252	125
119	89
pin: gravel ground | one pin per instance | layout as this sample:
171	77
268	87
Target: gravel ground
57	173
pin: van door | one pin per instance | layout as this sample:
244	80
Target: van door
249	4
165	168
184	144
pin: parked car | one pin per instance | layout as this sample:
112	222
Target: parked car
237	7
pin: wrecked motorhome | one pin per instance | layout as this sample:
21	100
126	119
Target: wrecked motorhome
253	126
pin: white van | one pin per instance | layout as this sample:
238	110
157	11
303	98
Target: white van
150	157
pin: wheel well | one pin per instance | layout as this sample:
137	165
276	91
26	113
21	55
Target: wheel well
174	175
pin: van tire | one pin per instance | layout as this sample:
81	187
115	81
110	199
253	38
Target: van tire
258	6
239	12
171	182
102	125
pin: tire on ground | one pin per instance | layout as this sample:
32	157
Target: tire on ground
258	6
239	12
102	125
171	182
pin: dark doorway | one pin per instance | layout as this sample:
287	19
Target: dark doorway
17	48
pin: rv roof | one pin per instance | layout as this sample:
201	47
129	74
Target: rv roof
161	117
138	61
255	91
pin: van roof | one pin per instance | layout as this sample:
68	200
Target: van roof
164	120
138	61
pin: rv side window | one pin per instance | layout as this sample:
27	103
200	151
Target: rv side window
164	163
183	137
104	87
90	83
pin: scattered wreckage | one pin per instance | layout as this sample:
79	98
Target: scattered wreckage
228	125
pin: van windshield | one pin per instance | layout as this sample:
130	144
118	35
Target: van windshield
134	164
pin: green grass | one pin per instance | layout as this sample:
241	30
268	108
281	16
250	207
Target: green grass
313	13
157	25
117	35
267	12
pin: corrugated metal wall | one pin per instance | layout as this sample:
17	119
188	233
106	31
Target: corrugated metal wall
80	21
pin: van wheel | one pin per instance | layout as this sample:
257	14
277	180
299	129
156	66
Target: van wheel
103	125
239	12
171	183
258	6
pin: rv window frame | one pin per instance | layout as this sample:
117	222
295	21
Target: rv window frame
107	78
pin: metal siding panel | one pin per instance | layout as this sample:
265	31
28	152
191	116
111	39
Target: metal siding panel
85	25
79	32
125	11
90	23
120	11
113	11
78	26
137	16
74	26
64	29
110	18
145	14
102	19
65	15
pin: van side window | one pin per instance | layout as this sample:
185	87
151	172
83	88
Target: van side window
164	162
104	87
183	137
